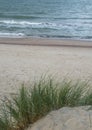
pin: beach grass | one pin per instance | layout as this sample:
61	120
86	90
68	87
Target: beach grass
30	104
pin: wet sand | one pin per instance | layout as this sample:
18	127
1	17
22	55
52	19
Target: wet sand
46	42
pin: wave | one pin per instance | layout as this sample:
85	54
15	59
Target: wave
19	28
72	18
49	25
2	34
67	37
37	25
27	24
39	16
14	16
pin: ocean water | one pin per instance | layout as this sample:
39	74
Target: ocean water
70	19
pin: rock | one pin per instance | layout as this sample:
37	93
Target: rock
77	118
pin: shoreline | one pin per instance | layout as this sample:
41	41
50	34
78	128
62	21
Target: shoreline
46	42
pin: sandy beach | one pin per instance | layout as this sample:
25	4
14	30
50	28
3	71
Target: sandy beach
24	59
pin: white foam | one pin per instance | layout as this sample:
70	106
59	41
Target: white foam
17	22
27	23
2	34
24	24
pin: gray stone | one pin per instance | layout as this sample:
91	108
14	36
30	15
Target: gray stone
77	118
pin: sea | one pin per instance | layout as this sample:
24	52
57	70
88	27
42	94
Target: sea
63	19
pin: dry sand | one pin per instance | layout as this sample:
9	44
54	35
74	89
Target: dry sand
22	60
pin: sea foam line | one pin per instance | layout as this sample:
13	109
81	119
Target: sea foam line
2	34
27	24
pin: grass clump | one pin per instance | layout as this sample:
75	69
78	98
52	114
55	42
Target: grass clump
44	96
5	123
